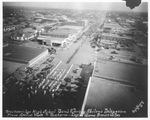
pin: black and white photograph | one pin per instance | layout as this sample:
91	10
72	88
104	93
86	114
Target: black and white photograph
74	59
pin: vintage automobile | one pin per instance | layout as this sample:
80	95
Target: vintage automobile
114	52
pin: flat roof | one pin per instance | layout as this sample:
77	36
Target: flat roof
103	94
42	37
108	41
21	53
66	30
10	67
55	39
71	27
124	72
109	34
112	25
29	29
61	31
115	35
49	38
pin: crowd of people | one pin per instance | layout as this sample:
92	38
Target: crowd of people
47	83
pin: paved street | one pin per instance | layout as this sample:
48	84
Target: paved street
47	92
54	79
85	53
75	60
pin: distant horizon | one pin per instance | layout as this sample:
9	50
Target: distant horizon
110	6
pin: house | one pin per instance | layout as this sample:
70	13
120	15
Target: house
108	43
9	28
20	35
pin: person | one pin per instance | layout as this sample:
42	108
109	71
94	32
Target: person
44	92
35	91
29	95
53	91
90	64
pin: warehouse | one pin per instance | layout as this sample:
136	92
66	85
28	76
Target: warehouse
22	54
52	41
112	27
115	37
124	72
116	86
60	37
108	43
113	99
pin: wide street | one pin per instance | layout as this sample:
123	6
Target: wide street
61	69
65	61
85	54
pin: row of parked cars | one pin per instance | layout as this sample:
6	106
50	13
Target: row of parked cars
137	60
26	75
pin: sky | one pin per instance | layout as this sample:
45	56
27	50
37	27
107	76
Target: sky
118	6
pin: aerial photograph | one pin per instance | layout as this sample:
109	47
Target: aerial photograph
75	59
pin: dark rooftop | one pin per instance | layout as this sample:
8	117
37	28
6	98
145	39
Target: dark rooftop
127	72
20	53
104	94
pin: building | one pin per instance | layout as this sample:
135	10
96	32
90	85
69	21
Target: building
76	23
23	35
121	71
111	99
141	50
108	43
52	41
117	28
7	28
113	27
62	36
116	86
26	55
119	38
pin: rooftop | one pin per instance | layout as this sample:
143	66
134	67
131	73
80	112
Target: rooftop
109	34
20	53
107	41
122	72
28	32
103	94
60	31
71	27
10	67
112	25
49	38
116	36
55	39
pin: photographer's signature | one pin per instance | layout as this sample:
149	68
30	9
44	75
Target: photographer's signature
138	107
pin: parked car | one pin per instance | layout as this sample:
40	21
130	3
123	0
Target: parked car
133	58
51	50
114	52
106	47
139	61
76	70
50	59
111	57
74	41
82	65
